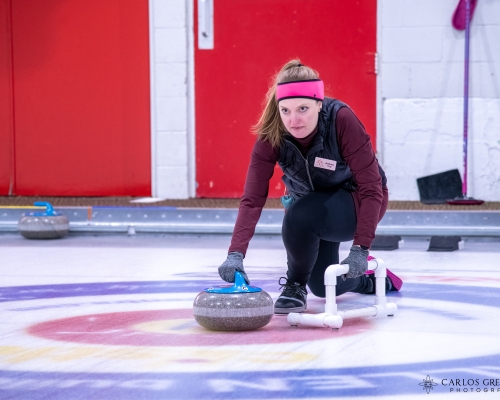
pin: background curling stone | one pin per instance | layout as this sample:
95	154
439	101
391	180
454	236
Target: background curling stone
43	225
233	308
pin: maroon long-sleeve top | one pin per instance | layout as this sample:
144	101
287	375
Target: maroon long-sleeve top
370	199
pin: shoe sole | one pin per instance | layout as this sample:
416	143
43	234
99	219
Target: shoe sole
279	310
397	283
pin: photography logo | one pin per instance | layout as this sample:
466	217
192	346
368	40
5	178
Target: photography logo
427	384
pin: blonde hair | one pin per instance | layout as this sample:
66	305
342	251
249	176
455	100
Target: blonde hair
270	126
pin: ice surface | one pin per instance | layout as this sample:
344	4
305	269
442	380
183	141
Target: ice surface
111	317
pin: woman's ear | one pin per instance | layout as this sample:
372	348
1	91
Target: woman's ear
320	105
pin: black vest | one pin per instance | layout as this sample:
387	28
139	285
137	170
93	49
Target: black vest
300	174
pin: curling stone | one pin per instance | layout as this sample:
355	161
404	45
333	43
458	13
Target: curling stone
44	225
233	308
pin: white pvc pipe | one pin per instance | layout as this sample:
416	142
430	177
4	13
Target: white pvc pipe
322	320
391	309
293	318
375	265
312	320
380	297
359	312
333	321
333	271
331	274
330	305
380	275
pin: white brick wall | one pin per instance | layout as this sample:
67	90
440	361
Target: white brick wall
421	89
433	143
171	144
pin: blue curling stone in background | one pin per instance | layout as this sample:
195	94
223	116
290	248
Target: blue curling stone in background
48	224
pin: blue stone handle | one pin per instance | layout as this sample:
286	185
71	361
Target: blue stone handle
240	286
49	209
239	281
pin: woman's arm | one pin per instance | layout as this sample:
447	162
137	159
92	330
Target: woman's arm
260	171
357	151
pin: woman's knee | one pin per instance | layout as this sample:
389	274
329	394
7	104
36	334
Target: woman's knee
317	289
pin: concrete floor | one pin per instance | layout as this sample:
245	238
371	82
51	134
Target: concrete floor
110	317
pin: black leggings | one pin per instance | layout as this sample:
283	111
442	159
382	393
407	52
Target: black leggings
313	228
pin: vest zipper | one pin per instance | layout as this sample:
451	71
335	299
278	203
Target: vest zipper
308	174
307	164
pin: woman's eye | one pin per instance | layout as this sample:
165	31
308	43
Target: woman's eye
303	109
284	110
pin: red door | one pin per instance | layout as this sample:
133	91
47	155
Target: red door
252	40
81	97
6	116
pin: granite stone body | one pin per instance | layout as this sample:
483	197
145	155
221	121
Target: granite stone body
43	227
233	312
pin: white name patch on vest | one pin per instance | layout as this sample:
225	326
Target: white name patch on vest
325	163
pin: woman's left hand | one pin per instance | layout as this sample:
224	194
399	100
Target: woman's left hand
357	260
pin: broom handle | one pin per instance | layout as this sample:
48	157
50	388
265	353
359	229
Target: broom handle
466	92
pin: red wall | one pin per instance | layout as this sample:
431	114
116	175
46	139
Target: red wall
81	97
253	39
6	116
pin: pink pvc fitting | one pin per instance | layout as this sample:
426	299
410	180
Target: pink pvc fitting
310	89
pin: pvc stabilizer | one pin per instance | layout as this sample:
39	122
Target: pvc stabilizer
330	303
333	271
377	265
293	319
333	321
391	309
372	311
322	320
312	320
332	317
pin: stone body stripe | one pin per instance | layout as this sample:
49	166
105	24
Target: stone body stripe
233	313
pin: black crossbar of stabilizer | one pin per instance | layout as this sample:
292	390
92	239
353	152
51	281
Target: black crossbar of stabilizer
385	242
444	243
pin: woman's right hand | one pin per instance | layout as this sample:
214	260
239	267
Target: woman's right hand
233	263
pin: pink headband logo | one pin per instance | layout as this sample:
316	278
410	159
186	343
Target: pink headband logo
310	89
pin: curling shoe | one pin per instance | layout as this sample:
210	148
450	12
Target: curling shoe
292	299
393	283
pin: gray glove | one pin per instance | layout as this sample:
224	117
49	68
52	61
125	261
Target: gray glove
233	263
357	262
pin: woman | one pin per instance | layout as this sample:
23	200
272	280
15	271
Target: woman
336	191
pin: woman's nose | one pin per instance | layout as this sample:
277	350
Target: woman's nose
294	116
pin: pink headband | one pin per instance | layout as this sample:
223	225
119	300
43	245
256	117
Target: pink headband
310	89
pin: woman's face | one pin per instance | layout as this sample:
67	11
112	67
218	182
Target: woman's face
300	116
